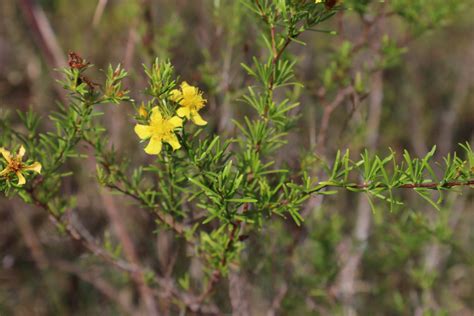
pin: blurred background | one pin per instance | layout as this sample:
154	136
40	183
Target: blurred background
414	260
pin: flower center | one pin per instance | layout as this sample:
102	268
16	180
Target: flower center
192	100
15	164
161	129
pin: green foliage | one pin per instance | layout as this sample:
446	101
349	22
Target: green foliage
426	14
215	190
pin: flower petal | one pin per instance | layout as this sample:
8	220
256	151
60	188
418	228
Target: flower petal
173	141
21	152
185	85
189	91
154	146
21	178
156	115
36	167
5	172
143	131
197	119
176	95
175	121
183	112
6	154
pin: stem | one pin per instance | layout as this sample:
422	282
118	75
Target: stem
427	185
217	274
86	241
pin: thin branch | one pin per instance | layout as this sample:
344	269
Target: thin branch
426	185
130	253
348	274
29	235
278	299
217	274
33	242
100	284
85	239
99	11
328	110
45	38
163	217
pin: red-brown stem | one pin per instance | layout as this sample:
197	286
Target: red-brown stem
427	185
216	274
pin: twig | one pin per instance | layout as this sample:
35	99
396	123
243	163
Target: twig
425	185
130	253
37	251
162	216
448	118
217	274
149	34
99	11
85	240
238	293
276	304
45	38
328	110
30	237
100	284
347	276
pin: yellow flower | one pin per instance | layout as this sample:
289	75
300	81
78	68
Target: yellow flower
160	130
191	101
15	165
142	111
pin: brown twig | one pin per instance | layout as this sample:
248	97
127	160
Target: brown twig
85	240
99	283
163	217
45	39
347	276
426	185
239	293
31	239
278	299
99	11
130	253
149	35
37	251
327	112
217	274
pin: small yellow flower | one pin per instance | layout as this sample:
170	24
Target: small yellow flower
191	101
15	165
160	130
142	111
